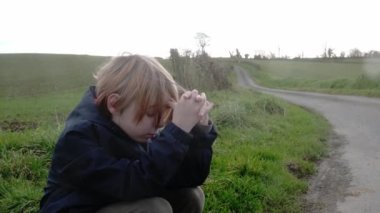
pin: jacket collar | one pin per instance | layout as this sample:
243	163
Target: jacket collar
87	110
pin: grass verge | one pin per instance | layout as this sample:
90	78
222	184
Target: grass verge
266	151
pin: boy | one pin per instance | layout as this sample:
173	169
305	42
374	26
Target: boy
110	156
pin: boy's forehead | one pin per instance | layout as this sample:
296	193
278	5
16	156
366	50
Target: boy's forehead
161	104
162	101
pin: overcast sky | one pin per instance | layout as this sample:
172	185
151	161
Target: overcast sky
152	27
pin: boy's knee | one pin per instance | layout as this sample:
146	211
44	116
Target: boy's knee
159	205
196	197
153	205
189	200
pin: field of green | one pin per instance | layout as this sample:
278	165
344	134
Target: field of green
340	76
266	150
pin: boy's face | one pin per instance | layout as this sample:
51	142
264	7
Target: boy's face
140	132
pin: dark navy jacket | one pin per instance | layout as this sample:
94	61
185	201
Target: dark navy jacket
95	163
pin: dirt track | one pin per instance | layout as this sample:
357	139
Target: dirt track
348	180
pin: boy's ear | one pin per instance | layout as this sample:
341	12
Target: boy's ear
112	103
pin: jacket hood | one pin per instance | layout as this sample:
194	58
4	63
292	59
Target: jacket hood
88	111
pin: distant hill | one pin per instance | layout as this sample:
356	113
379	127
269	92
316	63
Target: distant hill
34	74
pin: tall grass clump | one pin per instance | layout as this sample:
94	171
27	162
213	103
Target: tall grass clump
25	158
17	195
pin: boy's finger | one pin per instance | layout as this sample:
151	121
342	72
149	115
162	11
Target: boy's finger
210	105
206	108
200	97
187	94
194	93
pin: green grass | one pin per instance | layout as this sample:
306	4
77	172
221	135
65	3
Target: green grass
339	76
265	152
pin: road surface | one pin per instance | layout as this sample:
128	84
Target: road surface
348	180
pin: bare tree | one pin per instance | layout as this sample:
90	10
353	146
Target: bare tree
178	66
203	41
324	54
231	54
355	53
187	53
372	54
238	55
330	53
272	55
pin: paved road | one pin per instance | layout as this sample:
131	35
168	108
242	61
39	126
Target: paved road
348	181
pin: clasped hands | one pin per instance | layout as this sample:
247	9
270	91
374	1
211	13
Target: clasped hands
190	109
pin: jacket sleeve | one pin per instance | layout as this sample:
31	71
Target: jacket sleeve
196	166
80	162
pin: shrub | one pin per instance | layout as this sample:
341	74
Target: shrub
201	71
363	82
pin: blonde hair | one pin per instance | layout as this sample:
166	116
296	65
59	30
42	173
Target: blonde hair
136	78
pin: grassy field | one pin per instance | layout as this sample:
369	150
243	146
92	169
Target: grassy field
265	152
35	74
340	76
